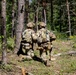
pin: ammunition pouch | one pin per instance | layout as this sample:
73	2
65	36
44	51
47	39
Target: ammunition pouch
47	45
26	45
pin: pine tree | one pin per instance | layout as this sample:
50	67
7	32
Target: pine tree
19	27
4	41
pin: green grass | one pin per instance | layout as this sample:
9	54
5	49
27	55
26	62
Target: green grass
63	65
68	65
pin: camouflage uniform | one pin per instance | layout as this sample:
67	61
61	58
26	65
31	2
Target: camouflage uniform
46	46
27	46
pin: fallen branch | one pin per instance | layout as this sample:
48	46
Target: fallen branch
73	12
65	53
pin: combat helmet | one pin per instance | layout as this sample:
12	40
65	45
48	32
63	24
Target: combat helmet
30	25
42	24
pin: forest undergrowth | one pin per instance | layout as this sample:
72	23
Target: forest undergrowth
62	65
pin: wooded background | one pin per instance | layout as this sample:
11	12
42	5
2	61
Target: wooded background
59	15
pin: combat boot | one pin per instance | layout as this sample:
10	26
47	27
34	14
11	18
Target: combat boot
47	63
52	59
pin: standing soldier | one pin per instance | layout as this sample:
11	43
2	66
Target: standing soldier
45	38
28	38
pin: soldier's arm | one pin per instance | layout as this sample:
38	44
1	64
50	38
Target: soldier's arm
34	36
23	34
52	36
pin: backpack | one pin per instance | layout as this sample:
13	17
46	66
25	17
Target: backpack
44	36
28	36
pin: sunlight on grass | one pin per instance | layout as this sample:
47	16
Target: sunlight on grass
63	65
68	64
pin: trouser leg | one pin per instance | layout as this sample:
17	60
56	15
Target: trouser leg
30	53
50	53
41	52
44	58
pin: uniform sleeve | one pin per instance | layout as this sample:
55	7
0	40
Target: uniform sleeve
38	33
23	34
52	36
34	35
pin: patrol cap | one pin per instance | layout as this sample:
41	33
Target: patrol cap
42	24
30	24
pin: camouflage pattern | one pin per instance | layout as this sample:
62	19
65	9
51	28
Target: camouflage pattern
30	24
52	36
45	48
42	24
27	47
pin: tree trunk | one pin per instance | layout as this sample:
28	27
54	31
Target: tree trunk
19	28
27	11
0	17
60	21
4	42
68	12
13	17
45	16
52	26
37	12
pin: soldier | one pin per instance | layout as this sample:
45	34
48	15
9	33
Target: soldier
45	38
28	38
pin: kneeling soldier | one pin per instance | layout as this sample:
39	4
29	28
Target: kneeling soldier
28	38
45	38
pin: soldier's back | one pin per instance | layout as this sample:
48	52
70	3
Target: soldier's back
27	35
